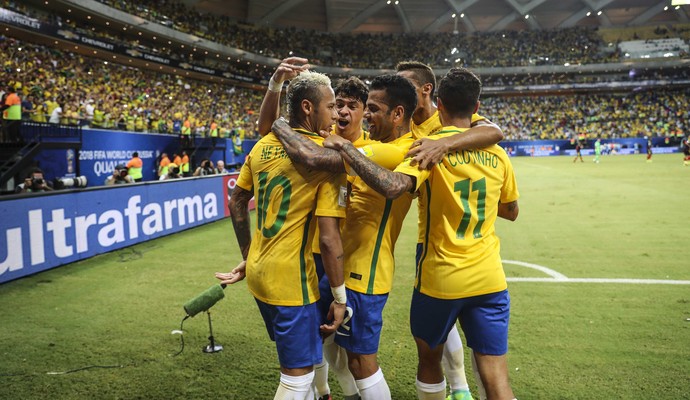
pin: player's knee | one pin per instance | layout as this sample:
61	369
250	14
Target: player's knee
362	366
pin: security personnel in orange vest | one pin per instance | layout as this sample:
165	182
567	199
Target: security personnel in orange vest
214	132
12	114
134	167
186	134
163	165
184	168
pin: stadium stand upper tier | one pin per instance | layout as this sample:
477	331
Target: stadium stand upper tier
101	94
109	95
573	46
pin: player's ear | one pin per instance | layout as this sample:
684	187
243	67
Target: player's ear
307	107
427	88
399	112
476	107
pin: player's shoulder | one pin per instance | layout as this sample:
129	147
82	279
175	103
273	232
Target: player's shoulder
501	154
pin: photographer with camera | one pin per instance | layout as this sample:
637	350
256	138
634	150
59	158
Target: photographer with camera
34	183
173	173
119	176
206	168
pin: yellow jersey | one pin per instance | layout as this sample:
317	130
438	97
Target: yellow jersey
289	199
426	128
370	231
460	251
362	140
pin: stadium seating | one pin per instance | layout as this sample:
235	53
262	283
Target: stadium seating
117	97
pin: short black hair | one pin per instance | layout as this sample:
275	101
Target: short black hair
135	154
423	73
459	91
399	92
352	87
34	170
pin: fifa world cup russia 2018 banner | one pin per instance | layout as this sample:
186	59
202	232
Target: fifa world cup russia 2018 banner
103	150
45	231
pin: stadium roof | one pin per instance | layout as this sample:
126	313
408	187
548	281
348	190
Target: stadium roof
354	16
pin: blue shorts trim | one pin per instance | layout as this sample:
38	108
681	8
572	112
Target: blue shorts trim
361	332
296	333
484	320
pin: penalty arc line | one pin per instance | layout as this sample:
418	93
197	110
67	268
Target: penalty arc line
557	277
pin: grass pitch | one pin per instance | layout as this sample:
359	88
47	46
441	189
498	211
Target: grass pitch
101	328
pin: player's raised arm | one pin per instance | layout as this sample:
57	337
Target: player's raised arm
270	106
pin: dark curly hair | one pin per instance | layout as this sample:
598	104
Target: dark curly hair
353	88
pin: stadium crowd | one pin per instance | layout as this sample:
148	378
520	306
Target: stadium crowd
83	27
491	49
639	114
106	95
575	45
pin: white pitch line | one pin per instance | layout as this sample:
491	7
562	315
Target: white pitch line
548	271
557	277
602	280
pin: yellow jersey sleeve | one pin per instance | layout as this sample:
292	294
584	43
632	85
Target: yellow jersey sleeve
477	117
331	199
245	180
386	155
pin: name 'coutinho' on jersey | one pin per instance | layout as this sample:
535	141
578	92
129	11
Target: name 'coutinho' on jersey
478	157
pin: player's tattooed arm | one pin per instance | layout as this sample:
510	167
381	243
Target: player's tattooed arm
239	213
306	152
390	184
509	211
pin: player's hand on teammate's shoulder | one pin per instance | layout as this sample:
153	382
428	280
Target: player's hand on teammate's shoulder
426	152
334	141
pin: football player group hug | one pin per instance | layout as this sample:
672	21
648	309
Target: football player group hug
331	198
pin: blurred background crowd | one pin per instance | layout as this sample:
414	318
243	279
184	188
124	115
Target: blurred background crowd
93	92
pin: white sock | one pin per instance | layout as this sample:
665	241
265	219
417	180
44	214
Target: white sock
431	391
295	387
321	379
453	361
375	387
478	378
336	357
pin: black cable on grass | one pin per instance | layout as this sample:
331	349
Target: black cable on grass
22	374
101	366
181	338
66	372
